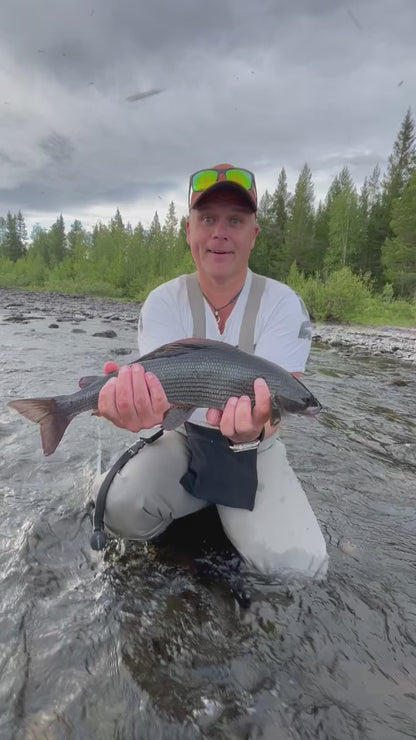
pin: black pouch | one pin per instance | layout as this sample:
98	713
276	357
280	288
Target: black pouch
217	474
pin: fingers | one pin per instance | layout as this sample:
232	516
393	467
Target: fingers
134	400
213	417
239	421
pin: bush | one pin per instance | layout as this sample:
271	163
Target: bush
338	298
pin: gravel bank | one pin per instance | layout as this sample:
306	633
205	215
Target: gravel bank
22	306
377	340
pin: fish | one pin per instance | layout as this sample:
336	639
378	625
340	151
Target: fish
195	373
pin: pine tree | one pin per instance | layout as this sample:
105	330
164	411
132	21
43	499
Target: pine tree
156	244
2	233
368	258
260	255
21	229
116	223
320	237
402	161
76	236
299	238
401	165
170	227
57	240
278	259
12	244
399	252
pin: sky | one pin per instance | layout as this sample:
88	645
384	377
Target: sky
263	84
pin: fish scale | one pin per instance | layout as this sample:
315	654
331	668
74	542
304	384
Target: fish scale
194	374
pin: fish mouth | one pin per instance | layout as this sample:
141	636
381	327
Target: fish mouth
314	410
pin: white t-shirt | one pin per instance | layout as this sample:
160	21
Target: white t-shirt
282	332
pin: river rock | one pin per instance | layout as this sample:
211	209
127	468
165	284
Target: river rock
108	334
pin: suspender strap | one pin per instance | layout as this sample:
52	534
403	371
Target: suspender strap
248	324
196	302
98	539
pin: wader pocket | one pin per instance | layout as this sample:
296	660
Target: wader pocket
217	474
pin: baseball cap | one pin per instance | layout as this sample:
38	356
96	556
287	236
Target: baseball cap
222	177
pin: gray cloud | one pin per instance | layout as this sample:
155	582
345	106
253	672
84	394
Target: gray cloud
265	84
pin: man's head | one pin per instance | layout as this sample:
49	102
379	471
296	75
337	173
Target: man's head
222	227
222	177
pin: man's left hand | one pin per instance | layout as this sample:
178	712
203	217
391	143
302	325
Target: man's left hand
239	422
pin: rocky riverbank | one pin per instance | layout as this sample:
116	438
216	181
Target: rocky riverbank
376	340
23	306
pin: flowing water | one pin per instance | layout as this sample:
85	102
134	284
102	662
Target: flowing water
133	643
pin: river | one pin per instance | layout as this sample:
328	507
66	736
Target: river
135	643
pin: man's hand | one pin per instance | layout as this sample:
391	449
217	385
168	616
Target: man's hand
238	421
134	400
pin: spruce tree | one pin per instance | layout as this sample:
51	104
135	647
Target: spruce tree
401	166
399	251
300	226
280	211
12	245
57	240
170	226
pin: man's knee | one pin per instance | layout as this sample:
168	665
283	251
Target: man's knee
294	562
145	495
129	508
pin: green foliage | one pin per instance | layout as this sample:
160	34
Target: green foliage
300	226
341	253
12	245
399	252
338	298
343	225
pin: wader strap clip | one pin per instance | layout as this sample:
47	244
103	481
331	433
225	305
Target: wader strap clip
98	539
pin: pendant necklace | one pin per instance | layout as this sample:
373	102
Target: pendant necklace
217	310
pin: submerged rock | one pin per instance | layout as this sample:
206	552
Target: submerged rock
108	334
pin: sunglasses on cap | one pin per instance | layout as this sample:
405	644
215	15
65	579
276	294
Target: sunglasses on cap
203	180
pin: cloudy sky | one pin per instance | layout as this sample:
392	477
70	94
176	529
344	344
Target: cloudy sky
261	83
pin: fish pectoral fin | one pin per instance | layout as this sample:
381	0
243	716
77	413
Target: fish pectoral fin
88	380
275	412
176	416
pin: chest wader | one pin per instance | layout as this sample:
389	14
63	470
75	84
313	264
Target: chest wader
242	476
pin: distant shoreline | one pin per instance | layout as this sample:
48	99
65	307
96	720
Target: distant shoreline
20	304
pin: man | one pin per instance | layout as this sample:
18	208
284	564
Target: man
280	534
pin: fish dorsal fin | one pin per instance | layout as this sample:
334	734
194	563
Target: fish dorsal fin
182	346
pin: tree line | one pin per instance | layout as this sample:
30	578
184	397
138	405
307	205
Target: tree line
371	233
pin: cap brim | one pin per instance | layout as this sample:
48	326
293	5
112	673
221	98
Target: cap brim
246	195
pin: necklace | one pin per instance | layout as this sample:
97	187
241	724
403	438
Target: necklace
217	310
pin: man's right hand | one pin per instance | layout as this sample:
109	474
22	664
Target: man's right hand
133	400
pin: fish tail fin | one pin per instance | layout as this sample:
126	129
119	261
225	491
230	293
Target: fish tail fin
45	412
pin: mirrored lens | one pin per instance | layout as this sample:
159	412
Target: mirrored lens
203	180
241	177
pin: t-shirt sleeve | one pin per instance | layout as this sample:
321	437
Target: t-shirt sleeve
159	321
285	334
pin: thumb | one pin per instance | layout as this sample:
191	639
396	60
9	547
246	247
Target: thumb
111	367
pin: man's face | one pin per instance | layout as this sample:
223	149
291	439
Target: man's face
221	233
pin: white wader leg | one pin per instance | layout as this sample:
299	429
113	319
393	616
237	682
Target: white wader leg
145	495
281	535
